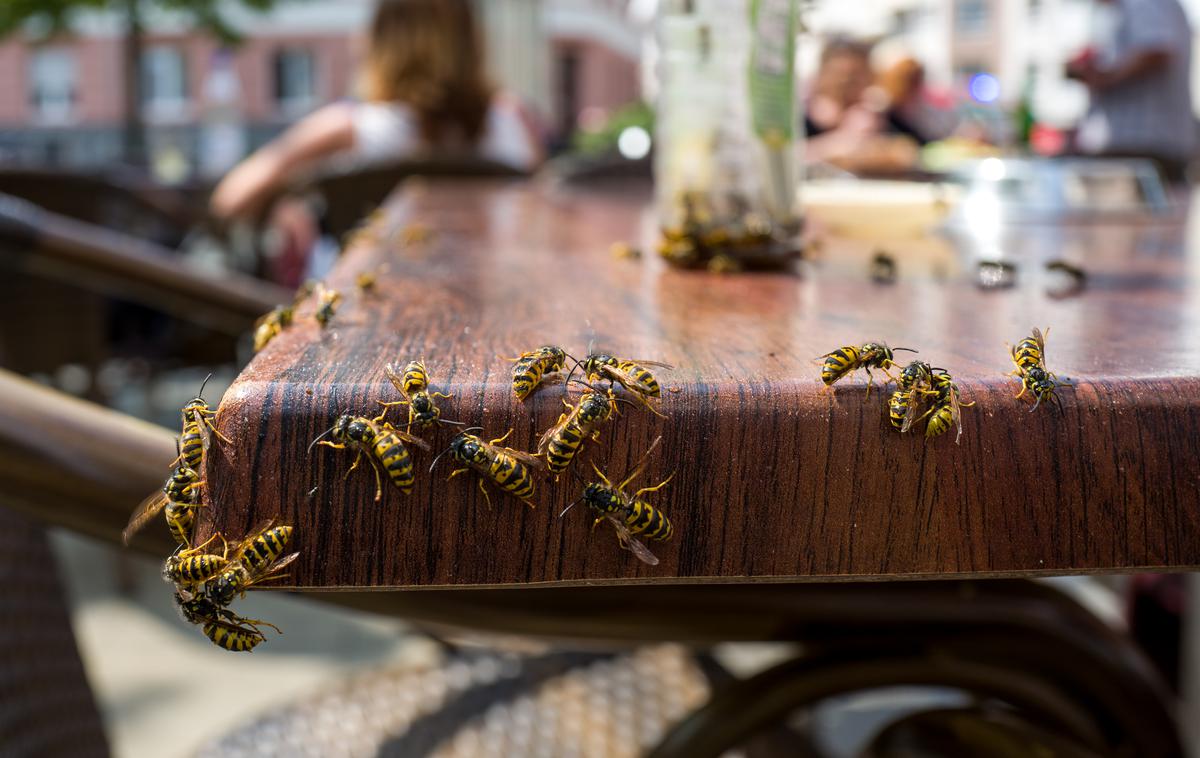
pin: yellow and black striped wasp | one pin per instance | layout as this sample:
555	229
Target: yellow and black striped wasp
1029	357
562	442
179	496
271	325
197	426
849	358
531	367
192	566
946	407
631	516
221	626
327	302
915	384
256	559
630	373
413	383
508	469
380	443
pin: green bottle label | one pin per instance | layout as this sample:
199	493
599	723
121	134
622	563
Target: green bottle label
772	70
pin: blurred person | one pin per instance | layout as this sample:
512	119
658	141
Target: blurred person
845	120
425	92
1139	78
911	108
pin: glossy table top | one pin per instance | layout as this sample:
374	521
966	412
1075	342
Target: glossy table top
775	480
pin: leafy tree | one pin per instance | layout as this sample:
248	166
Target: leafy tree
46	18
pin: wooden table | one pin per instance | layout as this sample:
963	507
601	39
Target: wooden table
774	479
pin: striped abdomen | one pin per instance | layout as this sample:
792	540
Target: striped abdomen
1027	353
181	519
562	447
510	475
940	422
197	568
839	363
236	639
526	375
898	407
646	520
396	460
191	445
415	378
266	548
641	375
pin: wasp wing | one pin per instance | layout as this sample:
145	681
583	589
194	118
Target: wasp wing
955	413
527	458
638	467
395	377
910	413
627	540
656	364
405	437
1040	339
146	510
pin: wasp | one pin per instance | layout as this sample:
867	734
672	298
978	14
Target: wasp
381	443
562	442
508	469
223	627
915	382
366	281
193	566
272	324
258	558
1029	357
630	373
529	368
847	359
327	301
197	425
630	515
179	496
945	411
413	383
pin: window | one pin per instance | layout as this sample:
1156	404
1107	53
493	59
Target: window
52	84
295	79
971	15
164	81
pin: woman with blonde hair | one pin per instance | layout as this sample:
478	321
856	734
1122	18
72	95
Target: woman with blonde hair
425	93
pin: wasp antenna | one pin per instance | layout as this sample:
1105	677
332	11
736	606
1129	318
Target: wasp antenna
318	438
569	507
470	429
437	458
905	349
448	421
178	451
200	394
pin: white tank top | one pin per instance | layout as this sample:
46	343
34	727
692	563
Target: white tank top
387	131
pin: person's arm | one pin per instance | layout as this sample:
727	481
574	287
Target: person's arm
253	181
1136	65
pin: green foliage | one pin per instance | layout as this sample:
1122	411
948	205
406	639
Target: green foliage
54	16
604	139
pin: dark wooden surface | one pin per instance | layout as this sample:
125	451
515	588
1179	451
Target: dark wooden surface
775	481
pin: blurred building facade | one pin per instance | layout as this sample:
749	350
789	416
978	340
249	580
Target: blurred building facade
62	101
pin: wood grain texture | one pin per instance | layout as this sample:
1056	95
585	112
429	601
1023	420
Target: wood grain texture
775	480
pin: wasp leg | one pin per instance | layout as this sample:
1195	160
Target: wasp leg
486	496
439	394
214	429
256	623
596	523
354	465
378	484
498	440
456	472
334	445
656	487
1022	392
